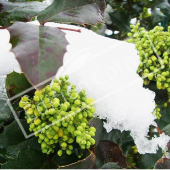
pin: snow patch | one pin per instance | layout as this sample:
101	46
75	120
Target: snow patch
106	69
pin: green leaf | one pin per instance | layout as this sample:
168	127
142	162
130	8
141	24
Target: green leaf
113	135
111	165
3	158
12	138
98	124
163	4
166	129
4	111
4	108
64	159
161	95
148	160
22	153
74	11
121	19
13	11
163	163
164	120
38	49
28	158
157	15
16	83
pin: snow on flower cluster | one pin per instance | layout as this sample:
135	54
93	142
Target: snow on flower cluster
106	69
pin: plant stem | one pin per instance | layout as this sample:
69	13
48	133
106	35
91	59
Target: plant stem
131	165
69	29
3	27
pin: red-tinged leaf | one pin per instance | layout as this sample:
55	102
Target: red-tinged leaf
86	163
74	11
163	163
38	49
108	151
15	11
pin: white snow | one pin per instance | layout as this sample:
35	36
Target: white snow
106	69
8	62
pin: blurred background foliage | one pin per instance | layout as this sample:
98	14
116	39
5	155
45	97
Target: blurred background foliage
120	14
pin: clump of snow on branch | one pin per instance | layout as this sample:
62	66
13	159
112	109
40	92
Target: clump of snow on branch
106	69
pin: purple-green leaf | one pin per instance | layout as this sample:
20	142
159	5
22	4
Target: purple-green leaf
38	49
163	163
74	11
14	11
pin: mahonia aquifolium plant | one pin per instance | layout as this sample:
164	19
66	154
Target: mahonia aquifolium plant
154	50
59	114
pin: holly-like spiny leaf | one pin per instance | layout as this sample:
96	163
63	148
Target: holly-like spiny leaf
21	153
12	138
110	152
74	11
163	163
38	49
15	11
16	83
28	158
